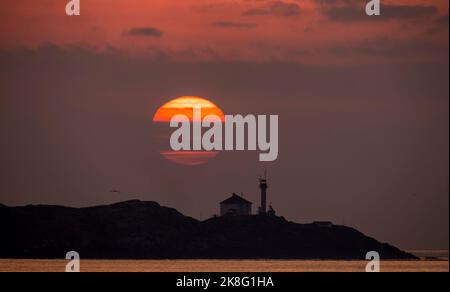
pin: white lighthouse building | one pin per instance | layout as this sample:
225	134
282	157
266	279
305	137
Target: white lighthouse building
235	206
238	206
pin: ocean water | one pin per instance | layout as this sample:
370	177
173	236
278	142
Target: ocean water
221	266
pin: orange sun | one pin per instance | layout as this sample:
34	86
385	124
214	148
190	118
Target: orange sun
185	106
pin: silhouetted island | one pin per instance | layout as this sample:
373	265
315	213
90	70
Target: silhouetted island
145	230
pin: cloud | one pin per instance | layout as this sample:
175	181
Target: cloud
391	48
411	12
233	24
443	20
145	32
279	8
440	24
351	11
335	2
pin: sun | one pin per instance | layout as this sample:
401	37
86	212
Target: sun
185	106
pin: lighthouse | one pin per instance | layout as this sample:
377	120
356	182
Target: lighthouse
263	188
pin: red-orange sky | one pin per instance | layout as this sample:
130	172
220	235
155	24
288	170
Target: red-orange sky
307	31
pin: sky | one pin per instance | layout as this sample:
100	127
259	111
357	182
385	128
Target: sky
362	102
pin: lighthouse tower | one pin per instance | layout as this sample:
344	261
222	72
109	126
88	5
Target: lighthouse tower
263	188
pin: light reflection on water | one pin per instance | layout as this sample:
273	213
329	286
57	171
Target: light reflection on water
220	266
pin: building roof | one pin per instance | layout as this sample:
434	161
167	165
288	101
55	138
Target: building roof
235	199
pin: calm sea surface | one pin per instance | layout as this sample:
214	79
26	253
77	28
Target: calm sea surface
221	266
